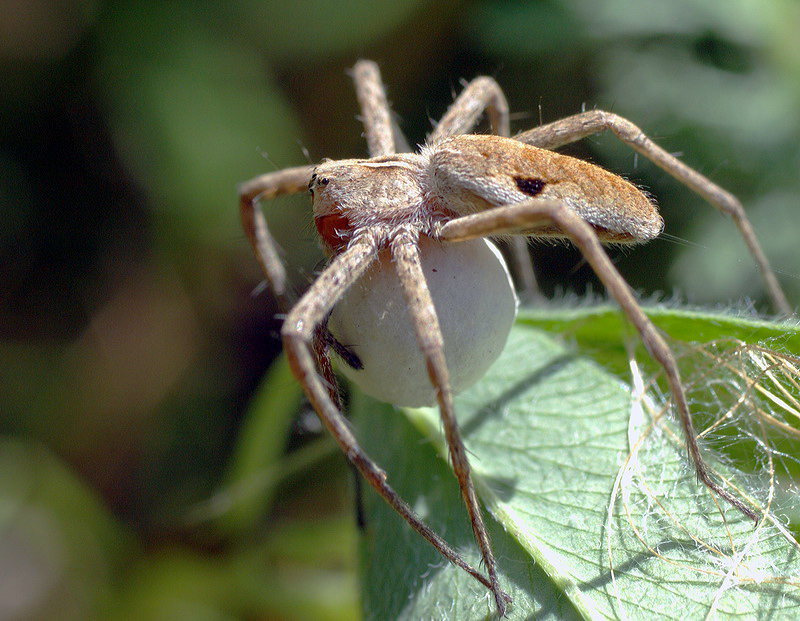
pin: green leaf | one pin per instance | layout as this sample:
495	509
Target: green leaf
601	331
255	468
597	513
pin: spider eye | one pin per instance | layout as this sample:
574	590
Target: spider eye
316	180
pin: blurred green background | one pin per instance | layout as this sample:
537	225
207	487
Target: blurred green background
146	470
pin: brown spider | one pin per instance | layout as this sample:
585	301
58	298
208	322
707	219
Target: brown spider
391	222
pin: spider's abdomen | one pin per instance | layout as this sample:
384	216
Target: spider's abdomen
472	173
476	306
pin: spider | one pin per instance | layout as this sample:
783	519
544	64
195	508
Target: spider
397	227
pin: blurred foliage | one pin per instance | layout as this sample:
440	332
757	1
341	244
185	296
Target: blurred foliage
131	344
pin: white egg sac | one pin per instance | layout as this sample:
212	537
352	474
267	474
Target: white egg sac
474	299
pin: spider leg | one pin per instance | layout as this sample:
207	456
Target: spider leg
376	114
344	352
287	181
298	339
405	251
482	95
522	269
537	212
579	126
322	343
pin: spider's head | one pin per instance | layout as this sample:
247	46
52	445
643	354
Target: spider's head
349	195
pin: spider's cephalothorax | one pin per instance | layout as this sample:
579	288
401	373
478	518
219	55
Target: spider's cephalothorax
375	196
410	268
